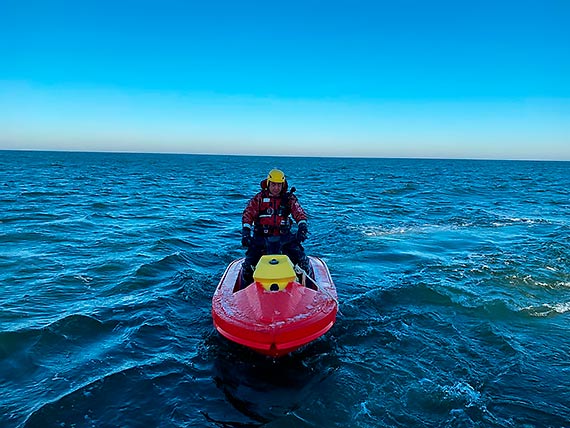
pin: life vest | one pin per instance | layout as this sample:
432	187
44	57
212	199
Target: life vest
274	215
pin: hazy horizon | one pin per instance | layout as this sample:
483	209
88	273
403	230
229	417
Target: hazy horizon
79	151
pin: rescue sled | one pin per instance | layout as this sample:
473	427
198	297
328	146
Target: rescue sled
280	311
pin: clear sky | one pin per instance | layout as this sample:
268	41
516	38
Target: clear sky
398	78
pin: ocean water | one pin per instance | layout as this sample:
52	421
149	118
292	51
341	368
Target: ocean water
453	280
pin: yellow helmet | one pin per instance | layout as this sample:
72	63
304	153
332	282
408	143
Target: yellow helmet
276	176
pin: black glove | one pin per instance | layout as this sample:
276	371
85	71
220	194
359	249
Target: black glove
246	237
302	232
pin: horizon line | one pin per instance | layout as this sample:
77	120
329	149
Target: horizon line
284	156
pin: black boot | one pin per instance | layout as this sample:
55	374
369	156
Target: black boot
246	276
306	266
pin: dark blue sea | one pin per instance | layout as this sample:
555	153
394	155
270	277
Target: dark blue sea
453	279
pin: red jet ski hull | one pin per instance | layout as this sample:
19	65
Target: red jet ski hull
274	323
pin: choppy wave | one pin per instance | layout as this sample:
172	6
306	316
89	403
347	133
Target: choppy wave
453	279
546	309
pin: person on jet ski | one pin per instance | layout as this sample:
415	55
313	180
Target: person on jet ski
269	214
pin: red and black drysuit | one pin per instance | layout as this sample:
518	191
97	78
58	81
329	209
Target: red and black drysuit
270	219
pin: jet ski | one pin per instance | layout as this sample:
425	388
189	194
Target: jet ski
283	308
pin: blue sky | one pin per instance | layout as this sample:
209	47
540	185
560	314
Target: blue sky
451	79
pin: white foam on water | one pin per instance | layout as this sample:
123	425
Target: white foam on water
376	231
462	391
547	309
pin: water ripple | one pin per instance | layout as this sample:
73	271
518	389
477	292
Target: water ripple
453	281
